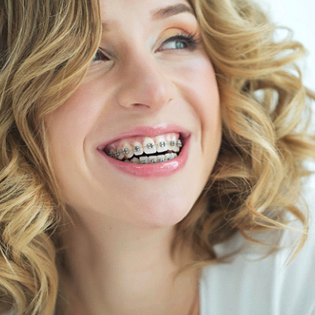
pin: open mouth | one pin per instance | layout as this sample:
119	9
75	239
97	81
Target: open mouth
146	150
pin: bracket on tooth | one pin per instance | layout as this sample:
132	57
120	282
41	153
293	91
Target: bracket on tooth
137	148
151	145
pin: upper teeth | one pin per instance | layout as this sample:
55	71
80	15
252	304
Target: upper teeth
148	149
149	146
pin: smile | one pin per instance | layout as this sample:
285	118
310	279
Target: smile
146	150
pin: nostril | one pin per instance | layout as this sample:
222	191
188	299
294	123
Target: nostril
140	106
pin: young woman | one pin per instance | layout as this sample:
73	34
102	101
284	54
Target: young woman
149	149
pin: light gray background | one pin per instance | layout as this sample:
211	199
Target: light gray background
298	15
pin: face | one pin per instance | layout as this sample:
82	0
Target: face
138	139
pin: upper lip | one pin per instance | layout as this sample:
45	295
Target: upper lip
149	131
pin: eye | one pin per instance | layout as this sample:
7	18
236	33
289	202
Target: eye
100	56
179	42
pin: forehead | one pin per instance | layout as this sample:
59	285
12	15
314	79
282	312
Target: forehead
126	10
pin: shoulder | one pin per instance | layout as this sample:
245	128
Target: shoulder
272	285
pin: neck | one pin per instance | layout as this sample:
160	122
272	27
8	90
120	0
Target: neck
116	268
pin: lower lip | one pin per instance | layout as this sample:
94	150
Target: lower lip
155	169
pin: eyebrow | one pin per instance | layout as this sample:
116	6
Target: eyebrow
170	11
159	14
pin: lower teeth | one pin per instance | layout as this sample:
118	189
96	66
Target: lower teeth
152	159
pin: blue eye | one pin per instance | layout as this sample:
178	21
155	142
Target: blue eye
179	42
175	44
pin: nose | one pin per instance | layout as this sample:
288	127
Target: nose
143	85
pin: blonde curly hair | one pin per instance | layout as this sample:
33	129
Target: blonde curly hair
46	48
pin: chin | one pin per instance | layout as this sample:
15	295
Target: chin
165	212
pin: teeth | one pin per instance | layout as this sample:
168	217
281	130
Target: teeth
161	144
152	159
149	146
171	139
137	148
168	156
161	158
119	154
135	160
127	150
178	145
144	160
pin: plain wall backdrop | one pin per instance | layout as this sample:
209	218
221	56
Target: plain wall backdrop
299	16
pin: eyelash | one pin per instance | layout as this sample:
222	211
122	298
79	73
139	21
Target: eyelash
191	40
99	52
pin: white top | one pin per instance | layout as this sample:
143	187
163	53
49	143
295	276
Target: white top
271	286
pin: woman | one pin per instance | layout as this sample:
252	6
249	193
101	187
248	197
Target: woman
140	142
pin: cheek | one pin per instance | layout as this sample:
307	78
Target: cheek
69	125
198	84
200	89
203	93
80	111
67	128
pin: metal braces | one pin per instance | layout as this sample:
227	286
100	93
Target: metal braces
137	148
154	161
